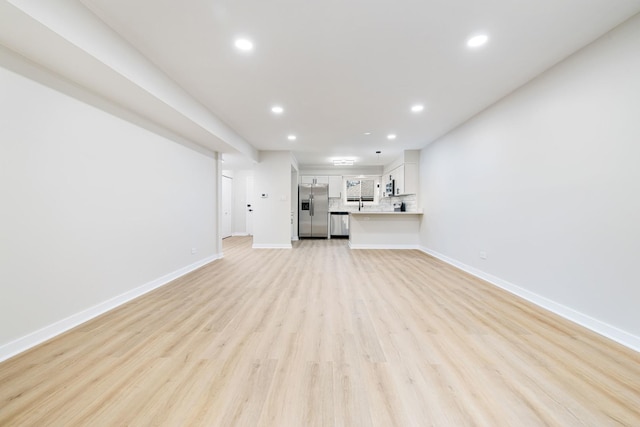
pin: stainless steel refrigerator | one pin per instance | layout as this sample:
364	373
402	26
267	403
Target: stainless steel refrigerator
313	216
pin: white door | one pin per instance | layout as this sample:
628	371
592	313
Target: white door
227	204
249	205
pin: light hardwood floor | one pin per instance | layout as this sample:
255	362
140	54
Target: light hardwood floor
324	336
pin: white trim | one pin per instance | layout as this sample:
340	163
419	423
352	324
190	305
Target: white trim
381	246
295	238
41	335
598	326
238	234
271	246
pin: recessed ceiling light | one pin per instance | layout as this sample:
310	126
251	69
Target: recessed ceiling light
343	162
367	133
391	136
477	41
417	108
276	109
291	137
244	44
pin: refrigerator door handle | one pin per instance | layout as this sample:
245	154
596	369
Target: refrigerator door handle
311	208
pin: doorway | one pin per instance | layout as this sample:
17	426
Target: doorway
227	206
249	203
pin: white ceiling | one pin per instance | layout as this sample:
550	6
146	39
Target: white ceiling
343	68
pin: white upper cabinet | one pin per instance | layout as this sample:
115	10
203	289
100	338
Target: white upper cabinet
334	183
309	179
404	173
335	187
397	175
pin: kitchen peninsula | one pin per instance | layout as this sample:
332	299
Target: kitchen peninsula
384	230
382	203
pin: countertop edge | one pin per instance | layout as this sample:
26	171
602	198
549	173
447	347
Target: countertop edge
386	213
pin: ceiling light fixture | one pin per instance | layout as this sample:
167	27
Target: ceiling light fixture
276	109
244	45
342	162
417	108
367	133
391	136
291	137
477	41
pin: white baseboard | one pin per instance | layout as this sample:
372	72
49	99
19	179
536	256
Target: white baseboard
295	238
31	340
271	246
237	234
602	328
382	246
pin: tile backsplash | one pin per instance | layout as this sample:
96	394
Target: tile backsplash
385	204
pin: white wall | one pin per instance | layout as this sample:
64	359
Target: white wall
272	215
295	177
547	182
94	211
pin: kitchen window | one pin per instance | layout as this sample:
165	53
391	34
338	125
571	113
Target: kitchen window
361	189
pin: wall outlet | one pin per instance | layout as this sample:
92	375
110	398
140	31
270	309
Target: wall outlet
483	254
194	251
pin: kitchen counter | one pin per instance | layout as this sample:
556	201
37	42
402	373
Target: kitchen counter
385	230
385	213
